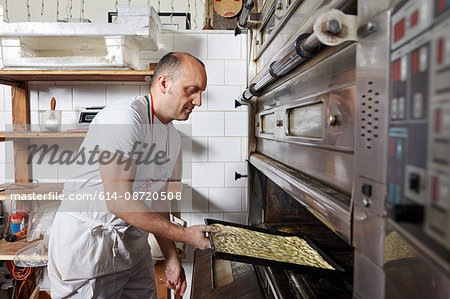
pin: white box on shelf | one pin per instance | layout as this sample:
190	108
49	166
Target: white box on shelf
51	45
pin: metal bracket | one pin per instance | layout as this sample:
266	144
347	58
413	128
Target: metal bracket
333	27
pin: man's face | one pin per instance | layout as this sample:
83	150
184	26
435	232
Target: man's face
185	90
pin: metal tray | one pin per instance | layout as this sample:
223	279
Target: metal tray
272	263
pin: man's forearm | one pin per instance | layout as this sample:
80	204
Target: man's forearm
167	246
119	180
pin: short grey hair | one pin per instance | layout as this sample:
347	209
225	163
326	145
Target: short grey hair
171	65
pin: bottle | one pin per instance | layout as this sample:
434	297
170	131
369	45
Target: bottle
16	221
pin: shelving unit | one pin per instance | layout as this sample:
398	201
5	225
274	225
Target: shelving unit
18	80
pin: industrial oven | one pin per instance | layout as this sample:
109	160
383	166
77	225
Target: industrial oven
349	145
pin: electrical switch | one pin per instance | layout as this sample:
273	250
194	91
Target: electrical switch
414	182
367	190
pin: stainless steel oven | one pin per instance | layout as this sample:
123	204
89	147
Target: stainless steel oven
349	143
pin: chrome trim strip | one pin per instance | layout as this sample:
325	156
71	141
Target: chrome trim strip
303	141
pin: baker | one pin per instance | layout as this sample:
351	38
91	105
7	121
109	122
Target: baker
98	245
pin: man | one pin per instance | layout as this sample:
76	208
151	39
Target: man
98	247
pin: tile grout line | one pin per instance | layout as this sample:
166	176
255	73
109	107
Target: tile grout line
223	61
208	147
73	100
207	45
209	199
3	98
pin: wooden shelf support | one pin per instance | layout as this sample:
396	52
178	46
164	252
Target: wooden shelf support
21	119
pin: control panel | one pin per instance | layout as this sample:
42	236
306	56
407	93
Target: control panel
419	119
437	218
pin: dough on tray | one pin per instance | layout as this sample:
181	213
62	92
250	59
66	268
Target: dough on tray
251	243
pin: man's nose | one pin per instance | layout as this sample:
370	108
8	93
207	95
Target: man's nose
197	100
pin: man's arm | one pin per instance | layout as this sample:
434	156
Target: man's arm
118	178
175	276
163	207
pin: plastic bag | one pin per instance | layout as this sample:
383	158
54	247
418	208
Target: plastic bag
40	221
39	224
34	255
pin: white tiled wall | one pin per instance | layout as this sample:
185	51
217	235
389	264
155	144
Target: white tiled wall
224	46
207	124
208	175
224	149
218	98
236	124
195	44
214	146
216	72
233	72
85	96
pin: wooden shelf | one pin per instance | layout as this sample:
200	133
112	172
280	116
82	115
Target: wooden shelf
48	190
28	134
9	249
18	77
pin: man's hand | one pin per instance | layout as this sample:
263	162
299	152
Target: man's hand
175	277
195	235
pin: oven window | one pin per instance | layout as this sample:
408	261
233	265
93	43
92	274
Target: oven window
306	121
268	123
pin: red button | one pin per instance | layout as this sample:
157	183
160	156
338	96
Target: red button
441	5
399	30
414	18
437	120
396	68
435	189
415	62
392	148
440	49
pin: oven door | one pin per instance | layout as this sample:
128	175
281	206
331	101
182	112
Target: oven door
214	278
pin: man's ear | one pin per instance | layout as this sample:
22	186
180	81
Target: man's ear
163	82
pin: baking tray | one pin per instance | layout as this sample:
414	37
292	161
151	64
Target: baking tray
272	263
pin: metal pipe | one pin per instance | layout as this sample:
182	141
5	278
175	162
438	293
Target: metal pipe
288	62
266	80
311	43
246	95
282	66
304	48
248	6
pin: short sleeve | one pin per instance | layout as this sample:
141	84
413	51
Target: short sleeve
117	129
